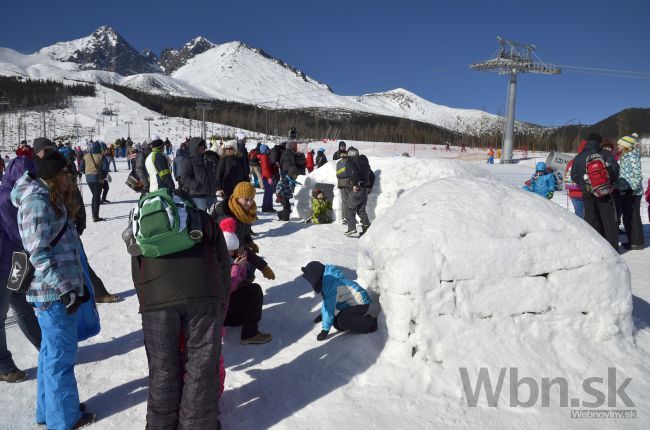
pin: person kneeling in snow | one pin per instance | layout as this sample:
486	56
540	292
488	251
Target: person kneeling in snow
341	294
320	208
542	182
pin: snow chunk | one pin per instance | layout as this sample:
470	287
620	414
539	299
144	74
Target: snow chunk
476	273
394	178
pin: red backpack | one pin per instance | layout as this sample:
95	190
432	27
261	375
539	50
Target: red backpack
597	176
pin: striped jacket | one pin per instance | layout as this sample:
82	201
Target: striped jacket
57	270
338	294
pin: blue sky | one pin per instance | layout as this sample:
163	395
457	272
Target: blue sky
365	46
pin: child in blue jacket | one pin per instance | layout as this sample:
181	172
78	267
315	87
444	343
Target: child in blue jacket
542	182
341	294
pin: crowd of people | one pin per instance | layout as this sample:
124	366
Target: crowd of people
205	280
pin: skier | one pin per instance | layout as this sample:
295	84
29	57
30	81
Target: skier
344	295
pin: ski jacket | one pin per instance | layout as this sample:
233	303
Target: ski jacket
140	166
339	294
197	275
269	170
309	161
630	179
157	166
57	270
319	209
285	187
230	172
10	240
579	166
287	160
95	167
198	179
321	159
181	155
252	156
542	184
243	158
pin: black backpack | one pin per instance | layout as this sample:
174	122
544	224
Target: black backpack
366	175
301	163
276	153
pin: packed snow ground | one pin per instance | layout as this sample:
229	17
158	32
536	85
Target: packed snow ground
295	382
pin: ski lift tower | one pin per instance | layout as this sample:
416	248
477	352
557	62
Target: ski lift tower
513	58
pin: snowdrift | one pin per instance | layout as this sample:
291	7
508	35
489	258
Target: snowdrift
394	178
471	272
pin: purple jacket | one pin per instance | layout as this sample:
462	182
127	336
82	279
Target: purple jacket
9	237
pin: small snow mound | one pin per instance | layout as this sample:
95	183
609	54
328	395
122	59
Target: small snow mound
394	178
472	272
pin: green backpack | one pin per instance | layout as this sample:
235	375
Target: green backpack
164	223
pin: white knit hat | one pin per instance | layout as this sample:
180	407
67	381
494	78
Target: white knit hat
231	240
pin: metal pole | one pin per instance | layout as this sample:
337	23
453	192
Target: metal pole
508	138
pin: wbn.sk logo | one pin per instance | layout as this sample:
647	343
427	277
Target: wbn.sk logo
599	390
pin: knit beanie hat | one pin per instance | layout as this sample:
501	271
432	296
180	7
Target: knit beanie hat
40	143
228	226
156	141
51	165
627	142
263	148
595	137
244	190
313	273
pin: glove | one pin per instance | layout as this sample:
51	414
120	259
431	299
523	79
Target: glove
278	198
253	247
322	335
268	273
318	318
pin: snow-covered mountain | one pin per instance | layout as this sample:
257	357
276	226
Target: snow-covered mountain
173	59
232	71
106	50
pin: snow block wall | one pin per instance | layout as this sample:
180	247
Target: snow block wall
394	178
473	272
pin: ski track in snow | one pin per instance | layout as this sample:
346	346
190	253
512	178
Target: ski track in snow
293	382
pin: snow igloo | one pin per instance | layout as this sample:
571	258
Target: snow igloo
474	272
394	177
